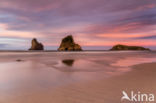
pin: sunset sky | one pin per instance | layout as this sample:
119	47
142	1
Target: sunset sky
94	24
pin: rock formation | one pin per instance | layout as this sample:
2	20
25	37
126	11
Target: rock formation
35	45
125	47
68	44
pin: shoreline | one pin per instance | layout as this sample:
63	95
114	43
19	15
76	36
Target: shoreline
77	51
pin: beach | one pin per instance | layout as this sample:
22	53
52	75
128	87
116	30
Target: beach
75	77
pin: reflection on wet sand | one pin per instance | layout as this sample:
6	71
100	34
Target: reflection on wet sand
68	62
81	77
89	67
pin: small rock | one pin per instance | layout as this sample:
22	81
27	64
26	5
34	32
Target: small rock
36	45
19	60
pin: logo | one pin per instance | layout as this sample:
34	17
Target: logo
137	97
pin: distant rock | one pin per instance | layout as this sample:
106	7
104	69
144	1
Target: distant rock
125	47
35	45
68	44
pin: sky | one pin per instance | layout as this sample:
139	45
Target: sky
94	24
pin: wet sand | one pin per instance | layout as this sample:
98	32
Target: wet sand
95	77
141	79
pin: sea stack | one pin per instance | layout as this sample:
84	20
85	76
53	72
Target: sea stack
68	44
125	47
35	45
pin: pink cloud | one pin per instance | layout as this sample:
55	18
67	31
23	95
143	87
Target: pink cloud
146	7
